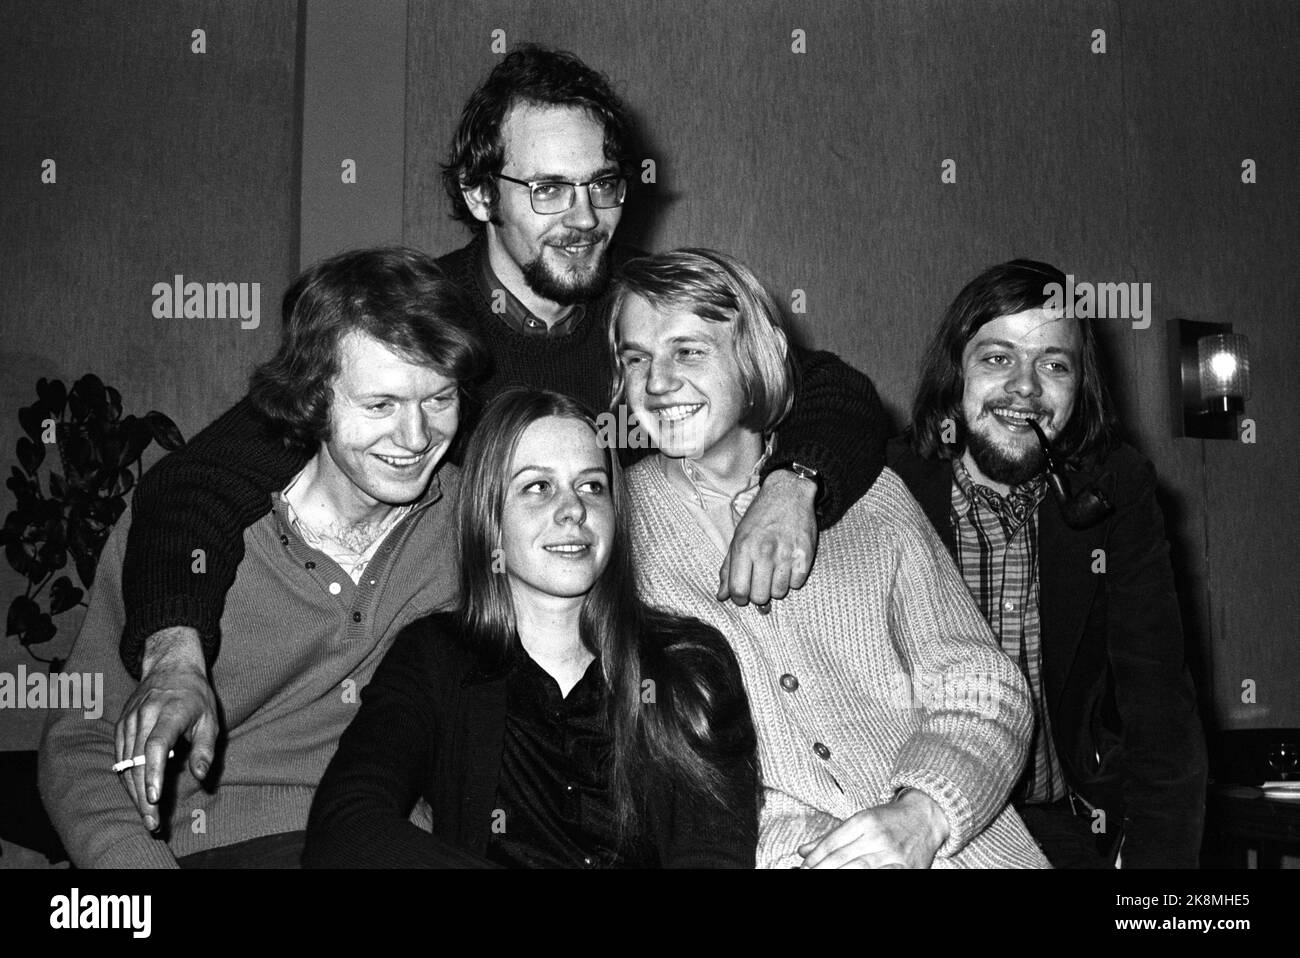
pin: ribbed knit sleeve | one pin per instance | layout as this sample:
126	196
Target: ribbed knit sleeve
187	539
974	707
837	426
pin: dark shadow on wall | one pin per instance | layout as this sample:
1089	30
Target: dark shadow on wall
1179	513
647	204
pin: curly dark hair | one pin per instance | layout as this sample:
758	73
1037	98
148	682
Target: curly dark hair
528	74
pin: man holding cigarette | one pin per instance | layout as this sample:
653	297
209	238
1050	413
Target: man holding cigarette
374	351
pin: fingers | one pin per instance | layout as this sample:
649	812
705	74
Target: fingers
857	842
742	567
761	574
842	834
203	744
124	737
866	851
771	553
781	578
749	572
799	568
166	730
148	809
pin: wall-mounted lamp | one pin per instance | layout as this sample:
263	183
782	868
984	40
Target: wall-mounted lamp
1213	381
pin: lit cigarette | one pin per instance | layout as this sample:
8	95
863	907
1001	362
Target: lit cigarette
126	763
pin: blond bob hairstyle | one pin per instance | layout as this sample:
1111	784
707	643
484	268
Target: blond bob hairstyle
719	289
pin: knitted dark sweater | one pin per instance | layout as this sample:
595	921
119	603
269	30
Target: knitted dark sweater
204	495
576	364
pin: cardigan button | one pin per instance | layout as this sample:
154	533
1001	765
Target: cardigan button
789	682
335	588
356	616
311	564
822	751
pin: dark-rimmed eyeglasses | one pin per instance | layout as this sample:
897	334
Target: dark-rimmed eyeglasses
556	196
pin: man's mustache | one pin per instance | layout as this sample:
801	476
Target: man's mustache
596	236
1034	410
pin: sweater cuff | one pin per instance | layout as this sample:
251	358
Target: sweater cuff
950	800
163	614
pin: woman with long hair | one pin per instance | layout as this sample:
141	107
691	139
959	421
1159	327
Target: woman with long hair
551	719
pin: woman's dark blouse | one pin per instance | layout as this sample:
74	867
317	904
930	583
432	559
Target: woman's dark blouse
554	808
478	745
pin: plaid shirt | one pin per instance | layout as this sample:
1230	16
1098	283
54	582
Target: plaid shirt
997	555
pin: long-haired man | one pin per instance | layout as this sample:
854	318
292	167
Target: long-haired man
1075	582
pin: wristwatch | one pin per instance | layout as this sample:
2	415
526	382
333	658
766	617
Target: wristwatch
812	475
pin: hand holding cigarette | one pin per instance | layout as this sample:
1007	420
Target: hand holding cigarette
136	761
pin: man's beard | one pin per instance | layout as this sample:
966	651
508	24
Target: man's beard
570	287
1001	466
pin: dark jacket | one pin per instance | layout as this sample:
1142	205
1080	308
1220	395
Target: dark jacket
1115	677
432	724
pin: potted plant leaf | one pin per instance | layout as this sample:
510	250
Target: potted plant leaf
99	459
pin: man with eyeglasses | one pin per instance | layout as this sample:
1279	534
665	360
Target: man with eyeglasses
538	170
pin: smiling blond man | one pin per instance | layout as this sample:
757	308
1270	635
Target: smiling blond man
890	727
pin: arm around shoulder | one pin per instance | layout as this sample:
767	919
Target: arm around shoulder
187	537
837	426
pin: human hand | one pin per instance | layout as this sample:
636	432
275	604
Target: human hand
172	699
906	833
774	545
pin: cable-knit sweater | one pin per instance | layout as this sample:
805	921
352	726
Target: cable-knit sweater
878	675
205	495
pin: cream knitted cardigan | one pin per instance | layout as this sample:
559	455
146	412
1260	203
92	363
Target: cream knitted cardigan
879	674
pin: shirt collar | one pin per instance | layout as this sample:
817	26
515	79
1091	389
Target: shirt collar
514	313
675	470
1016	506
283	511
